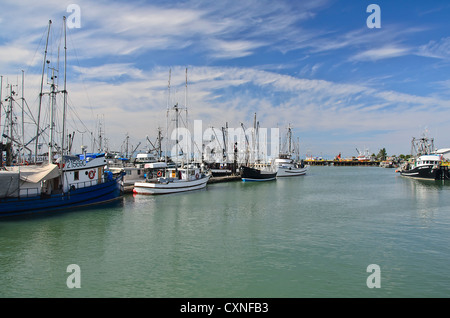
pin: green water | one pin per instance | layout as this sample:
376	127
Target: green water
308	236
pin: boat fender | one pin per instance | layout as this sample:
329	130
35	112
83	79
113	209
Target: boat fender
92	174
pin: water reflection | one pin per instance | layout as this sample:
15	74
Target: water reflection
427	197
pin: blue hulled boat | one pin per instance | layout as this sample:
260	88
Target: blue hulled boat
75	183
63	181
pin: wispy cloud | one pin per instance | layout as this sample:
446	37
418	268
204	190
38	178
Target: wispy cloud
110	71
436	49
381	53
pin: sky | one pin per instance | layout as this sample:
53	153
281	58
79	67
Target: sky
317	65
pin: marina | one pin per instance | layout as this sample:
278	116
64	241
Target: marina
123	177
237	239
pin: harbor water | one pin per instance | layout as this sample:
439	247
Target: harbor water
308	236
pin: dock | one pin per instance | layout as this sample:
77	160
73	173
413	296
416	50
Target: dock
342	163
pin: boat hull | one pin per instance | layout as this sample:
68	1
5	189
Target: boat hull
175	186
291	172
96	194
252	174
427	172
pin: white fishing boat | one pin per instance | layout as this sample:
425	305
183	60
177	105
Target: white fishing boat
287	167
285	164
162	178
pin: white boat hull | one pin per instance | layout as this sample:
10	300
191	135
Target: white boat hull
174	186
291	172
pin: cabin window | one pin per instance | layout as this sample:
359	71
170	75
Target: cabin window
76	176
139	172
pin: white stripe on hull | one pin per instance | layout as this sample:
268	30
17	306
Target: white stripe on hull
291	173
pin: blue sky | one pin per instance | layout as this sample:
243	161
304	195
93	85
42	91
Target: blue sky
313	64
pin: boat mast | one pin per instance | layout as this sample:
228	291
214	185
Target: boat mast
185	100
23	121
40	94
167	118
290	139
65	95
1	102
11	94
254	140
52	115
159	143
11	117
186	123
176	131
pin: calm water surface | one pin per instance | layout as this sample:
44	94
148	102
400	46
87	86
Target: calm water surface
309	236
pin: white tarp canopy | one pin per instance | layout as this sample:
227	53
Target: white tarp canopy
14	178
35	174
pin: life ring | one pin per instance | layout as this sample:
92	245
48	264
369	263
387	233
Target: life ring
92	174
197	176
159	174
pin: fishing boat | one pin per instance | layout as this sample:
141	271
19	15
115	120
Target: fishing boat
286	165
424	167
72	182
254	168
63	181
257	173
427	164
166	178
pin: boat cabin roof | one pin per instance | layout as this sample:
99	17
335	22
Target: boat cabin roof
429	158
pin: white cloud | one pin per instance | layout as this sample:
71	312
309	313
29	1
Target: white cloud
436	49
110	71
233	49
381	53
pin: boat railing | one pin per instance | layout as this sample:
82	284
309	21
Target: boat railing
85	184
29	192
